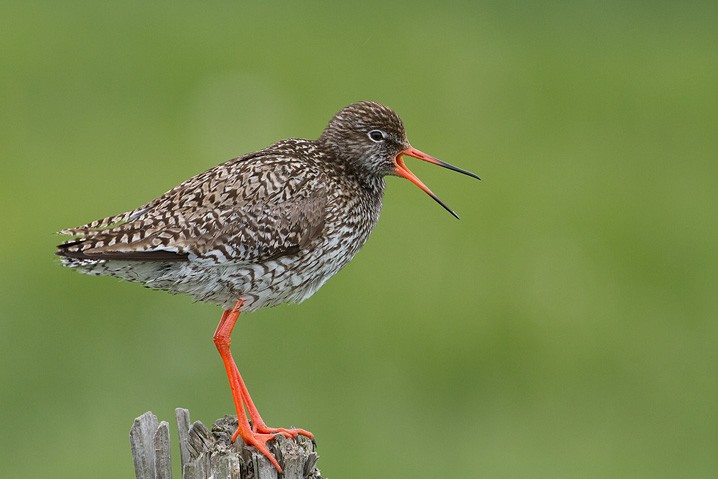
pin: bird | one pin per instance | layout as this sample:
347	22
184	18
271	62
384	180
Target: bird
263	229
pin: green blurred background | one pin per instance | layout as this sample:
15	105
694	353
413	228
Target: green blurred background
565	327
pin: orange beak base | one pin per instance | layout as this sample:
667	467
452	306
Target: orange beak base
404	172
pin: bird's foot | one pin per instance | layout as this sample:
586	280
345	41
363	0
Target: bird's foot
259	441
291	433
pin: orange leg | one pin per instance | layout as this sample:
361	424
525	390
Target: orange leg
259	433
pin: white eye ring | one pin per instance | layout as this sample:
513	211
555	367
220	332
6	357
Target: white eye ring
377	136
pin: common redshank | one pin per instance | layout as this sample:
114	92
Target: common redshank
267	228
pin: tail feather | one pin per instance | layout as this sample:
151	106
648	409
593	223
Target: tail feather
105	223
100	246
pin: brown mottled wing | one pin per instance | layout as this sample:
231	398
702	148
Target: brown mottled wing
263	230
250	209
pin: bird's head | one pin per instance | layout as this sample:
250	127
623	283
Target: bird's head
371	136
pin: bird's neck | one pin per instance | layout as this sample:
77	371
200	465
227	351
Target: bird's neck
369	186
350	169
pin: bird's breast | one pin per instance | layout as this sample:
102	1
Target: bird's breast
294	278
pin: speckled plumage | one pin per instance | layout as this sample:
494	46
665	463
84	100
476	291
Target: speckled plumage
263	229
269	227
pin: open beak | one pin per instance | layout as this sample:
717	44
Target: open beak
404	172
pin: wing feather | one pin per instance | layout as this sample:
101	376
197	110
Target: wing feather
254	208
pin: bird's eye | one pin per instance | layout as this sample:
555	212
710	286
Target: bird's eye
377	135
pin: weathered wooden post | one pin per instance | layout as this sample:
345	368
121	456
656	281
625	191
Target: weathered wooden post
206	454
